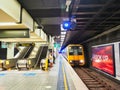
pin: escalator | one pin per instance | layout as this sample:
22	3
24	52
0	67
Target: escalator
33	61
42	55
29	62
28	52
23	54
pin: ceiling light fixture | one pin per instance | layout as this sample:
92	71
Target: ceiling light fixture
68	2
63	32
7	23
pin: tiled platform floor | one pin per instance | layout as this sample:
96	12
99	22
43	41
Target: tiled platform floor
29	80
41	80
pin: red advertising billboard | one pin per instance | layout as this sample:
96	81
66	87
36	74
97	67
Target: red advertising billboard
103	58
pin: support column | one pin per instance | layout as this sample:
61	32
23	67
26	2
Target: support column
10	50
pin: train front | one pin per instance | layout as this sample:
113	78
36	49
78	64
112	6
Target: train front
76	55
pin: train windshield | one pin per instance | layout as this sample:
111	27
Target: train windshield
75	50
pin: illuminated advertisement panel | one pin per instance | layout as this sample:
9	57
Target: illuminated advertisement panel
103	58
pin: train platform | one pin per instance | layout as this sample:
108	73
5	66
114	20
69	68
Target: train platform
60	77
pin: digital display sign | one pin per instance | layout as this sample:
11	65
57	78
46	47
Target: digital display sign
103	58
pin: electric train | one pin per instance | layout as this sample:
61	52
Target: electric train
75	55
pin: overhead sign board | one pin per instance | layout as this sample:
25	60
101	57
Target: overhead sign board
24	33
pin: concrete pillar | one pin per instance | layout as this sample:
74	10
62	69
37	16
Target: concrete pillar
10	50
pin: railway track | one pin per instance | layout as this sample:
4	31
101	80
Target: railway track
95	81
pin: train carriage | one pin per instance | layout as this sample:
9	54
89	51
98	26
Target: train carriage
75	55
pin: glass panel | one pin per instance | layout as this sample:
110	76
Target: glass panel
80	51
71	51
75	50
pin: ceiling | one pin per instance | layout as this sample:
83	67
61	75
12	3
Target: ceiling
47	13
92	17
4	17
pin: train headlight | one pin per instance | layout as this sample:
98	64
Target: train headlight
70	61
81	61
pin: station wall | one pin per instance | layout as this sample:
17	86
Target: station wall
113	39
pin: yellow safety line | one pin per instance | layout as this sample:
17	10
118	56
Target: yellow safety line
65	79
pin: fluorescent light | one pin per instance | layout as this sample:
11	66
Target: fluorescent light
63	32
68	2
48	87
62	36
7	23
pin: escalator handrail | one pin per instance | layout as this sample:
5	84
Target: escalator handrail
22	53
38	58
27	52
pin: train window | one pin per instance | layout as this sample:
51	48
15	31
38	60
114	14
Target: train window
71	52
80	51
75	50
